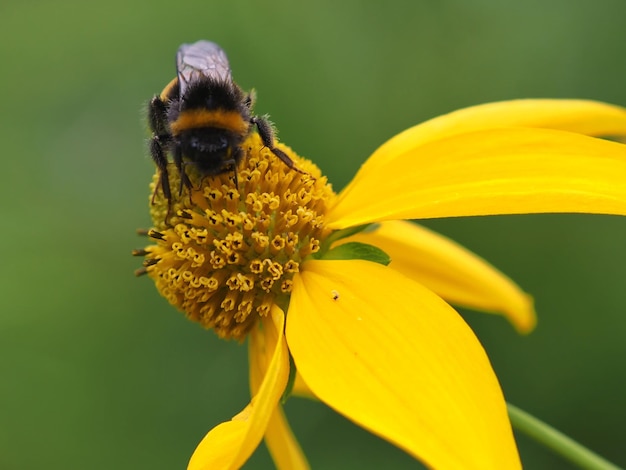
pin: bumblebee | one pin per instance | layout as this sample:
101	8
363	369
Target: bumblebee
202	117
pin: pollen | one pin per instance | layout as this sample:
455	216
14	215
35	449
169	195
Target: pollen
223	253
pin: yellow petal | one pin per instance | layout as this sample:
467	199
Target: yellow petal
581	116
282	444
279	438
452	272
230	444
498	171
396	359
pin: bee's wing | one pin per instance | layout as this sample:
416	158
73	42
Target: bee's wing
201	59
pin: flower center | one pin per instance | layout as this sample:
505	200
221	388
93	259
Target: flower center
224	253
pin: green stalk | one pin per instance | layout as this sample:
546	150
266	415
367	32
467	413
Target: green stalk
557	441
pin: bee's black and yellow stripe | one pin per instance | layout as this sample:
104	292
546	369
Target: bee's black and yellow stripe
216	118
221	116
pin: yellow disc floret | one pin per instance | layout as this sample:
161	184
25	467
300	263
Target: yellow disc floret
225	252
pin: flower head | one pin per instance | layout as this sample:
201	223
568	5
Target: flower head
231	252
267	258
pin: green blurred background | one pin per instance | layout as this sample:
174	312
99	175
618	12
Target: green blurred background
99	372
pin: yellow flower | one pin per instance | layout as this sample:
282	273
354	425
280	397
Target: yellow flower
377	343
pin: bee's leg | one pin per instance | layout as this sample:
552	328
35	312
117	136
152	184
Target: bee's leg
267	136
158	155
157	118
234	162
180	165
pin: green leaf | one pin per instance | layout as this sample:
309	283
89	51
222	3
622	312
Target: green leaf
356	250
338	235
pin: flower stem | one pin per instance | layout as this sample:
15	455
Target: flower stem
557	441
